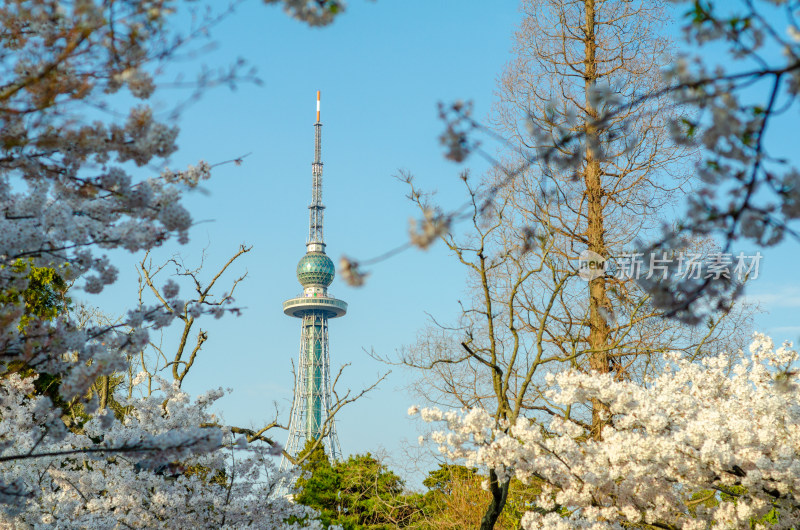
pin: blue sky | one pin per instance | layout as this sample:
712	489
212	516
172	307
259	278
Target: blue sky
382	67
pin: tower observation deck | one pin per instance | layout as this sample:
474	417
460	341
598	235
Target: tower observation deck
310	418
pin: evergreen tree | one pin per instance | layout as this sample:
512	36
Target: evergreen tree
319	485
357	493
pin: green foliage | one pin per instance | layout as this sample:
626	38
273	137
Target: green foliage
456	499
48	385
43	297
207	475
319	485
711	498
442	480
357	493
454	496
520	499
361	493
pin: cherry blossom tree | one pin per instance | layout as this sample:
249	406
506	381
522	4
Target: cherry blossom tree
80	176
700	445
130	481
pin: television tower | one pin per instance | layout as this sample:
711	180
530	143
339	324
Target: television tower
310	418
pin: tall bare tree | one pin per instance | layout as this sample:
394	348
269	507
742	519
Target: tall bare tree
531	307
569	54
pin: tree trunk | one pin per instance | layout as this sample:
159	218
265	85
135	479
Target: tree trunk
499	496
598	300
105	389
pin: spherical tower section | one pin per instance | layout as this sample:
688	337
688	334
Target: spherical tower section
315	268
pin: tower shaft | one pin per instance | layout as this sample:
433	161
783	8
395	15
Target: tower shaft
312	399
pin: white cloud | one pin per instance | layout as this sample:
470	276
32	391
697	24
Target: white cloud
787	296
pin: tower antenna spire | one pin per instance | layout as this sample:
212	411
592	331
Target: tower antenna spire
316	238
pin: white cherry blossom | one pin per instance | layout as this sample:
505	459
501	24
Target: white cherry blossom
726	429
